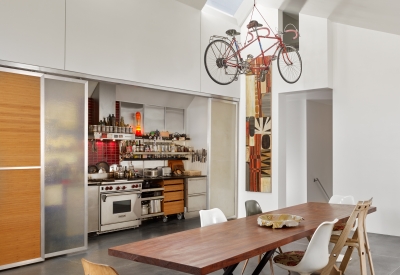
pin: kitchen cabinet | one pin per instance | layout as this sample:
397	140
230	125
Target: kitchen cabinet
21	223
93	208
173	198
195	196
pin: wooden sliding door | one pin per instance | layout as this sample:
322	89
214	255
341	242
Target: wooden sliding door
20	168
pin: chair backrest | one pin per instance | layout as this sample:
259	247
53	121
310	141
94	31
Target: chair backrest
252	208
211	216
97	269
339	199
316	256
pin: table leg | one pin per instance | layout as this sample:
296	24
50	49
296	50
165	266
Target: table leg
228	270
263	262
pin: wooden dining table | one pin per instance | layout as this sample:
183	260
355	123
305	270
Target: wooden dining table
223	246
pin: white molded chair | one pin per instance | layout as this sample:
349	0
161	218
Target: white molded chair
211	216
337	229
315	258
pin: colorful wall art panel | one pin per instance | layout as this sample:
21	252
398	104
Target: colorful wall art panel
258	133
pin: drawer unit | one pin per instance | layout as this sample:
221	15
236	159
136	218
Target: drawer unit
174	181
173	202
197	202
171	188
196	186
195	196
173	207
173	196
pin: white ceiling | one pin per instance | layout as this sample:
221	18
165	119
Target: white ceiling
380	15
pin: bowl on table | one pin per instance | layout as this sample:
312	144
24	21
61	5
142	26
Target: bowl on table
279	220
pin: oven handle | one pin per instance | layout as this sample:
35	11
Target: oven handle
104	196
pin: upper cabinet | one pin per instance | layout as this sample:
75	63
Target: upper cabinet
33	32
154	42
19	120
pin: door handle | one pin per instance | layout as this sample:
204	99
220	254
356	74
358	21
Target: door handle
104	196
196	195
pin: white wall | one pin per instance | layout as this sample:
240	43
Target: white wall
366	117
32	32
214	22
313	51
319	149
296	152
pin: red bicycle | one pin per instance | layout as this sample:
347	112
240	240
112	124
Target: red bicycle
223	63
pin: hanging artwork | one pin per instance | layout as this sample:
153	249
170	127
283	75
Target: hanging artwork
258	131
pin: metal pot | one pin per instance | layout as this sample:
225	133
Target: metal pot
150	172
155	206
119	175
145	209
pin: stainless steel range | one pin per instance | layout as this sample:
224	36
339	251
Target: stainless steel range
120	205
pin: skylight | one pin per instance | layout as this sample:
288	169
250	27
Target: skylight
228	6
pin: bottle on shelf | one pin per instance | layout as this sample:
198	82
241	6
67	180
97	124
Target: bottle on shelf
126	173
112	120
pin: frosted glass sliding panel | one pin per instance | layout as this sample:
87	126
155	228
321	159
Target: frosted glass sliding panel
223	156
65	166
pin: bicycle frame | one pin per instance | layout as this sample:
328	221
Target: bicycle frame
234	44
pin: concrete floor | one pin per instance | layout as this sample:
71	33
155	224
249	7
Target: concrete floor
385	252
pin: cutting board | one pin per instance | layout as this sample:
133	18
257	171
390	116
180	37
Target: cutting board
176	164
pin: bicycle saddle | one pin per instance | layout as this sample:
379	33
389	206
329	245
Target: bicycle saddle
232	32
254	24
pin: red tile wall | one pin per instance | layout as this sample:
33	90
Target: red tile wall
90	111
117	110
107	150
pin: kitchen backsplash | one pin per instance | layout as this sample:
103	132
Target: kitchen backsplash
106	151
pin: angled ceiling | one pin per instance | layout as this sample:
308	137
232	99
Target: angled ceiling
379	15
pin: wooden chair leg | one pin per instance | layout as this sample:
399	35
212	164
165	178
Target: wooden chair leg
244	266
368	251
271	266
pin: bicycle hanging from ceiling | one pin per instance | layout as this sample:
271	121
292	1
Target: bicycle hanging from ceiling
223	60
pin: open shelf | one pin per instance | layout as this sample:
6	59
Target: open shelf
152	215
132	159
153	198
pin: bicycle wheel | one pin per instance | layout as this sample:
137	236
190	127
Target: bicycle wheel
289	64
221	62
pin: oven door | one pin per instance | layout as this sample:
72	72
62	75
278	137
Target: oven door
120	207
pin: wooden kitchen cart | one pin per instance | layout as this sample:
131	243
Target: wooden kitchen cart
173	198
